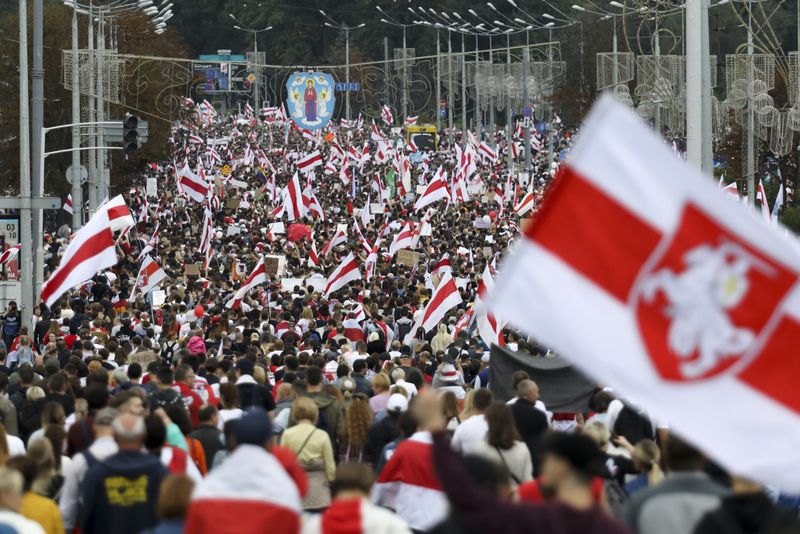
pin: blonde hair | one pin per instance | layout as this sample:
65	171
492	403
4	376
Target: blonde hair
597	432
469	406
305	408
647	455
381	381
35	393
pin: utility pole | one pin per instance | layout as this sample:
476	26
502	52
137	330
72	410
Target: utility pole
101	105
257	87
347	72
509	114
77	192
386	69
438	80
463	89
751	156
526	58
404	99
450	83
698	90
91	188
26	265
37	121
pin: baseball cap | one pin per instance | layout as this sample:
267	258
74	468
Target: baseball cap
253	428
397	403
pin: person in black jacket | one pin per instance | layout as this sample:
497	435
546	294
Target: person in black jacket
531	421
207	433
120	493
748	510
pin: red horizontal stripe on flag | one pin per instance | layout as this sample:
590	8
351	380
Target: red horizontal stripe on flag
88	250
439	298
115	212
191	184
774	371
593	233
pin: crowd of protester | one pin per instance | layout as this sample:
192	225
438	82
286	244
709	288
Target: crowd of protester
294	412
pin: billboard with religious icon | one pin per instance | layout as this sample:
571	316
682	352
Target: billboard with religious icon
310	99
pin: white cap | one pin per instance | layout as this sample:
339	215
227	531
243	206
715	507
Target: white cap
397	403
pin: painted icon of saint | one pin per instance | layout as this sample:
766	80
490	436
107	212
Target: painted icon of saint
310	98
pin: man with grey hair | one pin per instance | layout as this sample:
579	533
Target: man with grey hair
120	493
531	422
399	377
11	485
74	472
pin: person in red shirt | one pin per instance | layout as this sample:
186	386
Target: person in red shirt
184	379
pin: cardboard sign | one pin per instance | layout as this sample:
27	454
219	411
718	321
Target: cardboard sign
376	208
277	228
407	257
481	224
159	297
238	183
233	230
152	187
192	269
232	203
275	265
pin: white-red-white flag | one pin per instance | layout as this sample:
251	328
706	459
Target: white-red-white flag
411	121
442	266
258	276
346	272
761	198
339	238
652	282
91	250
487	152
306	163
150	274
445	297
490	328
9	254
68	205
292	198
195	186
435	190
525	205
119	216
403	239
386	115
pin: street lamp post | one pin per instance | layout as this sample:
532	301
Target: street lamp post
346	28
257	67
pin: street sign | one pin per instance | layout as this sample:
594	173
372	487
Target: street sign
37	203
83	173
442	112
344	86
251	77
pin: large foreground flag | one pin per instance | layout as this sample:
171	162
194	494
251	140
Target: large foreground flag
258	276
90	251
641	273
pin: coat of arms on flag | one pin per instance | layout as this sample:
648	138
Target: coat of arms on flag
310	99
638	270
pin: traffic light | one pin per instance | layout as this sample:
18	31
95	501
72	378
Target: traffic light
130	134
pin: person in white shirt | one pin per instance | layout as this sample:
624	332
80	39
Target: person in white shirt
399	376
473	430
